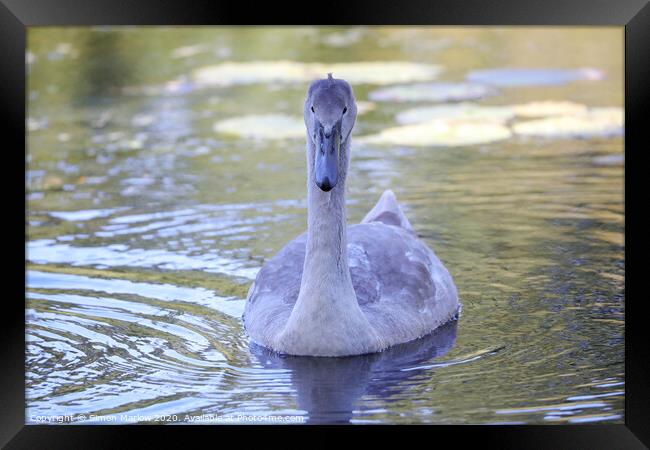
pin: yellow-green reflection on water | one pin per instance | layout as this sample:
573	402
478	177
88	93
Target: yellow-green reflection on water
146	227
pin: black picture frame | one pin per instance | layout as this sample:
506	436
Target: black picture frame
634	15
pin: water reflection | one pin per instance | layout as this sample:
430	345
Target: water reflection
328	389
100	77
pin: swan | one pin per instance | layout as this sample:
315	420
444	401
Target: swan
341	290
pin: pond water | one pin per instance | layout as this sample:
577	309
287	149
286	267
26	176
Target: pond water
147	222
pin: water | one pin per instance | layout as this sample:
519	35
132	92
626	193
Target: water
146	227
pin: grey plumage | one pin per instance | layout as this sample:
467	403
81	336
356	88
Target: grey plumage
342	290
400	283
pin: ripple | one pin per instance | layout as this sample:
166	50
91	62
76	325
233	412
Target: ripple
76	216
474	356
163	347
43	252
165	292
575	409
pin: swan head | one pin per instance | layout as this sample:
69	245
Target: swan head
330	112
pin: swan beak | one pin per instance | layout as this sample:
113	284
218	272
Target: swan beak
327	159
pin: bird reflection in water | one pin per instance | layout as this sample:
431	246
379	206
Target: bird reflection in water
327	388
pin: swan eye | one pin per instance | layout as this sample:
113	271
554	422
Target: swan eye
345	110
312	109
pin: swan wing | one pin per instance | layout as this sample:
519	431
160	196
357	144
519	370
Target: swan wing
402	287
400	284
275	291
388	211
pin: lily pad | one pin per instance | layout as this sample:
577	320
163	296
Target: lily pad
188	51
459	111
432	92
498	114
440	133
364	107
378	72
268	126
373	72
549	108
532	77
231	73
596	122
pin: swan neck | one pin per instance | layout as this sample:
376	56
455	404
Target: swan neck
326	228
326	319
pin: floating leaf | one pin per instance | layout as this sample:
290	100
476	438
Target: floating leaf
378	72
532	77
459	111
269	126
440	132
374	72
230	73
432	92
363	107
596	122
499	114
188	51
549	108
